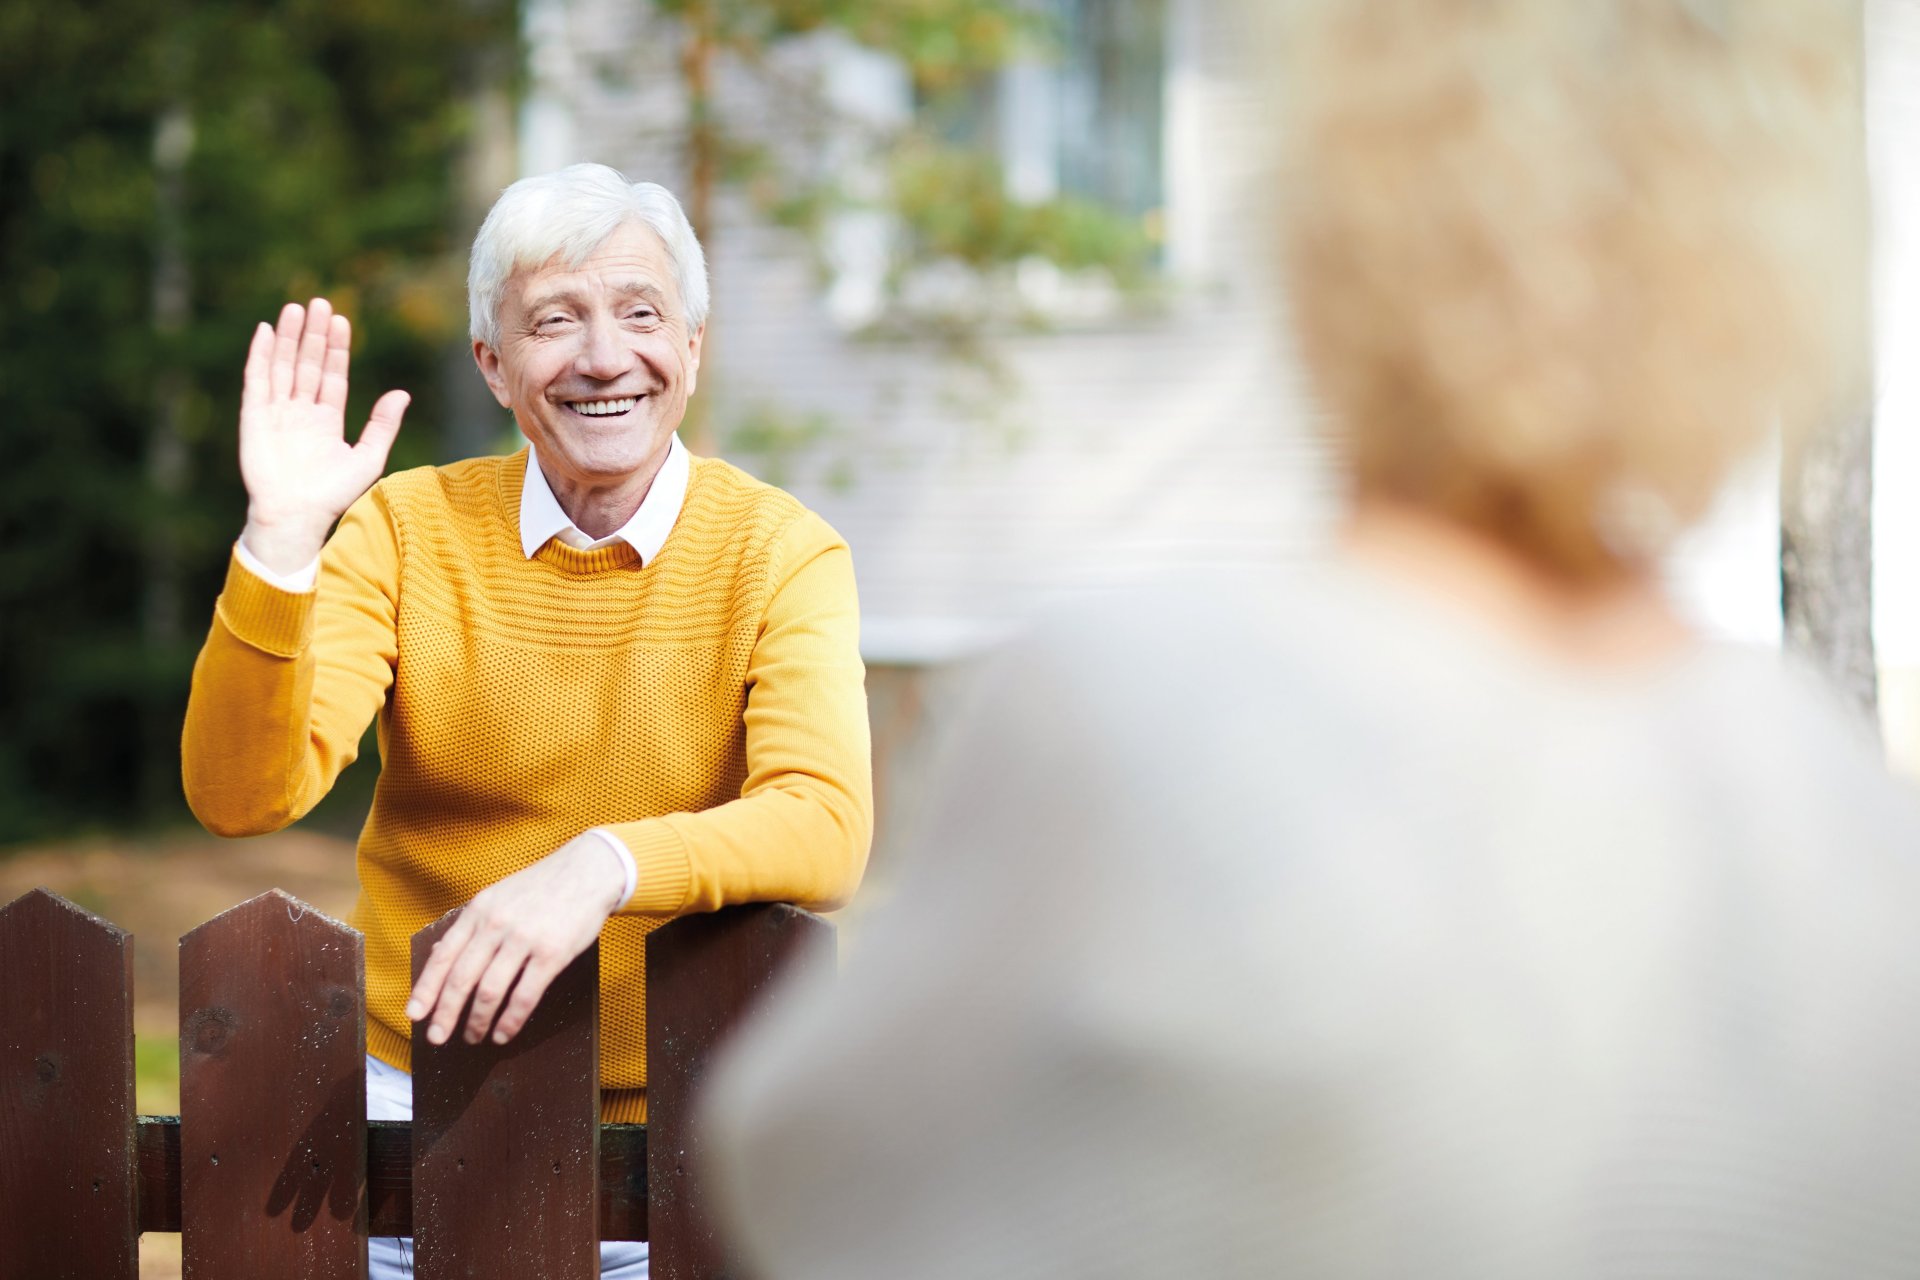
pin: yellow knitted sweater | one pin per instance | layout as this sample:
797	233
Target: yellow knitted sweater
709	708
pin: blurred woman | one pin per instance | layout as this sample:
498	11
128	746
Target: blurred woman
1448	910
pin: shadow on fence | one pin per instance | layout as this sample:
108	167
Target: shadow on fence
272	1168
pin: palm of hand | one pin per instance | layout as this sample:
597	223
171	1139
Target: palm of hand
299	470
294	454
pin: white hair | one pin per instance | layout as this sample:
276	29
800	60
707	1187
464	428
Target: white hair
568	214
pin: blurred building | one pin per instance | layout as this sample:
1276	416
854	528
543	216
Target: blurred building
1132	435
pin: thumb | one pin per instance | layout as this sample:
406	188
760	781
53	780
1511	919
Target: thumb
376	438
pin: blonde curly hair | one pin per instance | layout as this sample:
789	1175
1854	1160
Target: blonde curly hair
1555	265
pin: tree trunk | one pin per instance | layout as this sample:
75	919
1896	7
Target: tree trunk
168	464
703	173
1826	558
475	424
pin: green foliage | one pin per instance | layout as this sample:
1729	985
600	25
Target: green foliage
948	191
941	41
775	439
936	179
954	205
318	155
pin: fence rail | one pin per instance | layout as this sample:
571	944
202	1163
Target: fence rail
622	1191
272	1167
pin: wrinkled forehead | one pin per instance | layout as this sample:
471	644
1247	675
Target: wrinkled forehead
632	259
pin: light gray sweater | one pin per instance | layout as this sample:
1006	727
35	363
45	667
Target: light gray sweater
1301	929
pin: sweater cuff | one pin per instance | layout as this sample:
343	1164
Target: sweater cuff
629	870
660	860
302	579
262	615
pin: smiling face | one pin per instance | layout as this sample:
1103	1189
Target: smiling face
596	361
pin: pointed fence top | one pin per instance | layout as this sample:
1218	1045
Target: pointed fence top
269	908
43	903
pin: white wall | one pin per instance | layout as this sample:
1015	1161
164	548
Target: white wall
1166	439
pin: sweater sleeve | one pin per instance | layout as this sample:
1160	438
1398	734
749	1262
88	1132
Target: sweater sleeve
801	828
287	681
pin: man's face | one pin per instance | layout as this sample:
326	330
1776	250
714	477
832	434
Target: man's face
596	361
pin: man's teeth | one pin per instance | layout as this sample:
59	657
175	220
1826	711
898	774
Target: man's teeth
603	408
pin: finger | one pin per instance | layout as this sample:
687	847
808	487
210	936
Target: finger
333	378
313	351
286	344
461	979
376	438
534	981
433	974
256	383
492	989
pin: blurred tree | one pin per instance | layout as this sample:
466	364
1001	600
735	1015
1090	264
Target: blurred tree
942	198
169	174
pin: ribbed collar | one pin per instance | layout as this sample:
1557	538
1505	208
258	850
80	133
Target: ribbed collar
542	519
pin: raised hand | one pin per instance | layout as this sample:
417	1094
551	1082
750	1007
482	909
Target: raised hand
300	472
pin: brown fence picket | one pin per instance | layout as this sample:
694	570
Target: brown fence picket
704	973
67	1190
273	1106
506	1139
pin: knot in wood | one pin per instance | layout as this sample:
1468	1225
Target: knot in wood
209	1029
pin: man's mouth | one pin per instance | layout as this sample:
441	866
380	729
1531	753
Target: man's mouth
603	408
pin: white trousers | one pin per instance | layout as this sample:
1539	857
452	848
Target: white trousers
390	1097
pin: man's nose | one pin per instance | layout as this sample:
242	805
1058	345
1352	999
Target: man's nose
603	355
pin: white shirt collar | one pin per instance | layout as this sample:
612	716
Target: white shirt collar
542	520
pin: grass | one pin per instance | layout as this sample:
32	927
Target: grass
156	1075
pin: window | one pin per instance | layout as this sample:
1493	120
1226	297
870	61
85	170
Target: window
1082	119
1110	84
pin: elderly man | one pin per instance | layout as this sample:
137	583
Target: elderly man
615	683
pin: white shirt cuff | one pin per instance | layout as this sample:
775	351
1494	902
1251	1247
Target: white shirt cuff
299	582
629	867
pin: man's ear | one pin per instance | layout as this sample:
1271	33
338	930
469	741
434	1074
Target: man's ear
694	341
483	355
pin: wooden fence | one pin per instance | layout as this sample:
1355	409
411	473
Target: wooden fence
272	1168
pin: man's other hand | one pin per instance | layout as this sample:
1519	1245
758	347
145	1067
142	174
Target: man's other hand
513	940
